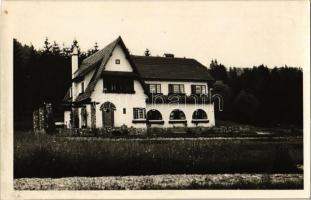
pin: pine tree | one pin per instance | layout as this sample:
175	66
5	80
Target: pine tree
218	71
96	47
47	46
147	52
55	49
92	51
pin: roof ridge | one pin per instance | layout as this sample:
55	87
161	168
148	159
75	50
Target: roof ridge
96	57
162	68
161	57
90	87
100	51
176	58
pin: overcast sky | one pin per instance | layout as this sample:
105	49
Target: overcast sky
239	33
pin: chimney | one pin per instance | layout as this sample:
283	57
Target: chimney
74	67
74	60
169	55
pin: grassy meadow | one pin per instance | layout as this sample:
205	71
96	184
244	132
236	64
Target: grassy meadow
54	157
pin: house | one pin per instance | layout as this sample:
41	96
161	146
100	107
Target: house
112	88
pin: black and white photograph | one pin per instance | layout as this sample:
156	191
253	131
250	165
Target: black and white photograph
155	99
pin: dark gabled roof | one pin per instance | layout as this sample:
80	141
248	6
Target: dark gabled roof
96	59
99	62
170	68
145	67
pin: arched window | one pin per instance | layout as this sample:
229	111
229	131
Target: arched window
107	106
154	115
199	114
177	115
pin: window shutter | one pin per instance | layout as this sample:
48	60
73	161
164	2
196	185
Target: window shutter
204	89
148	87
170	88
135	113
182	88
192	89
158	88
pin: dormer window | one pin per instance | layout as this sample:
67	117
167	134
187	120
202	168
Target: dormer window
117	61
82	87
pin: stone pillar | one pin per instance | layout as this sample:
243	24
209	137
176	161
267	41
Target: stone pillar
43	119
48	119
93	115
41	116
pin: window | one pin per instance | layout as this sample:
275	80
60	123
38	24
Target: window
70	92
82	87
117	61
154	115
155	88
198	89
139	113
199	114
177	115
124	110
118	85
176	89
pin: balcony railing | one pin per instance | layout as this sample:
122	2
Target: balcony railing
178	99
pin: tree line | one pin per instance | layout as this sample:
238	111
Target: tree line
256	95
41	75
259	95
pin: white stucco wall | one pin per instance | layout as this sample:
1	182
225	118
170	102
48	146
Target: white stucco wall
124	65
127	101
188	109
187	85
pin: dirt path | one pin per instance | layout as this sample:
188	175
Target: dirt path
193	181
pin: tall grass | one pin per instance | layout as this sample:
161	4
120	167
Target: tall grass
48	156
